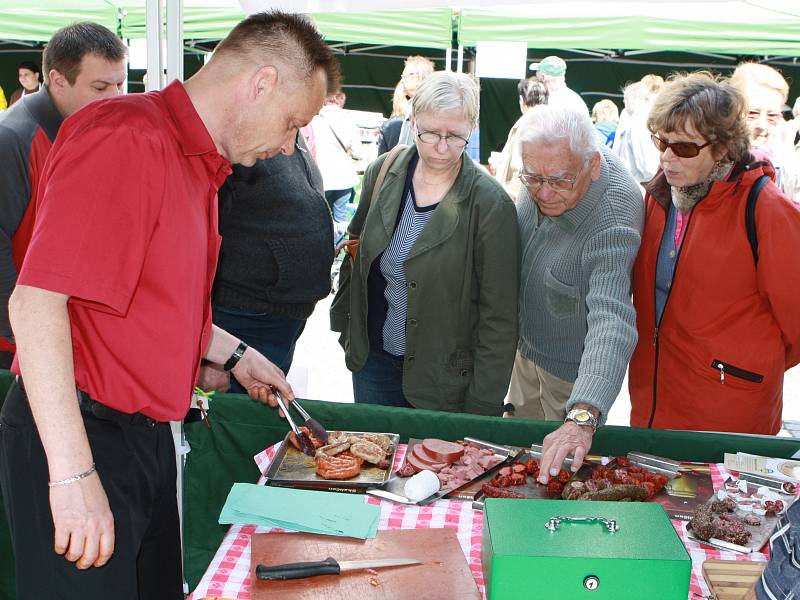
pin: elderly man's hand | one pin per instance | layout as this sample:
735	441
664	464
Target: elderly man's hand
569	439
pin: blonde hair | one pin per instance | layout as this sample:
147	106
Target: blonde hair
605	111
754	74
399	101
653	83
446	90
424	65
712	105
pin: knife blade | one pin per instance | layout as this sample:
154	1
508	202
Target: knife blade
329	566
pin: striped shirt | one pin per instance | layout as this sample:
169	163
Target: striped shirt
412	220
781	578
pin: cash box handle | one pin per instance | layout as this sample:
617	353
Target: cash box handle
610	524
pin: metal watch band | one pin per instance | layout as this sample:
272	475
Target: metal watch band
591	421
235	357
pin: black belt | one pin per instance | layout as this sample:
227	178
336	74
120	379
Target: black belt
101	411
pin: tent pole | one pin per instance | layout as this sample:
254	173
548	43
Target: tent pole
460	61
174	40
153	32
448	59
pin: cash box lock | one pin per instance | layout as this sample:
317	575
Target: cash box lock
591	583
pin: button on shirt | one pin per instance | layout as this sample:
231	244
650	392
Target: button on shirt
127	228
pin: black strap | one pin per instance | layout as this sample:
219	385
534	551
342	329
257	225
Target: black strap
750	215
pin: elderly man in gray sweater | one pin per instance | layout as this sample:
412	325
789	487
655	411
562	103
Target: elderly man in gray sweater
580	217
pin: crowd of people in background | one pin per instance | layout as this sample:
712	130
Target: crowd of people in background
663	240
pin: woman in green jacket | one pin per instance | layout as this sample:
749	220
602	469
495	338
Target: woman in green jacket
428	308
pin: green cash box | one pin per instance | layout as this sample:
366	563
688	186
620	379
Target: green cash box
564	550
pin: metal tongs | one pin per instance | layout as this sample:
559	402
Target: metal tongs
306	445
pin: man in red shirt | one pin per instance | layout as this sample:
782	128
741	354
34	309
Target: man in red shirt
82	62
112	310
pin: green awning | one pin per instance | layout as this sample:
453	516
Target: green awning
726	27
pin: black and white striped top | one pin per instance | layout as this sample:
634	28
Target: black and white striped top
411	222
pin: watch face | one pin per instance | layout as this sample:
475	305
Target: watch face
582	416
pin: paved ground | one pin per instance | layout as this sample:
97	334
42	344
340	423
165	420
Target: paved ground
319	372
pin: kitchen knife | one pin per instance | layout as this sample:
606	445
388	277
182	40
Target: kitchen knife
329	566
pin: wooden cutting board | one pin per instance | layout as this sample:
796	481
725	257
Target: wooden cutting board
443	574
730	579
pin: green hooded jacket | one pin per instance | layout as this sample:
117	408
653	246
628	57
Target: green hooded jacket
463	285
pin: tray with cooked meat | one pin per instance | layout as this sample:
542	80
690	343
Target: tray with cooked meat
351	461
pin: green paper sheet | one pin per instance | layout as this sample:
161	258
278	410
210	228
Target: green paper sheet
326	513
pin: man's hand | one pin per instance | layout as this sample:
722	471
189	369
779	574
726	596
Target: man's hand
569	439
84	525
213	378
258	376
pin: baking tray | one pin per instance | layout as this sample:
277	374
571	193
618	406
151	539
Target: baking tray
394	488
292	468
533	490
759	534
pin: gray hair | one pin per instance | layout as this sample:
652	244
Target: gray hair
446	90
547	124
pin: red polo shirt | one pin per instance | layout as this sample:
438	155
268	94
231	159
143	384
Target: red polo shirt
127	227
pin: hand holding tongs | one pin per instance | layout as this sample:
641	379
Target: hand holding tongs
306	445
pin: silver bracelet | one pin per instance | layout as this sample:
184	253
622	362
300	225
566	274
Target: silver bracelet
72	479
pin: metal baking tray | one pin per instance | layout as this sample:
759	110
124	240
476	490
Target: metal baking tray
292	468
394	488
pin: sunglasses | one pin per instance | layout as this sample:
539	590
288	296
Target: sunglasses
682	149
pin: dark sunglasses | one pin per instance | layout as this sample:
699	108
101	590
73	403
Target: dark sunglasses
682	149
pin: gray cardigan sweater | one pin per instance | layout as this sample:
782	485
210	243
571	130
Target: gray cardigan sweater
576	316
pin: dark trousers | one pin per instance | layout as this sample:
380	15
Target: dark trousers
275	336
136	465
380	381
6	358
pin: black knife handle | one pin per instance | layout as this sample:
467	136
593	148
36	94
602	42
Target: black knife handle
298	570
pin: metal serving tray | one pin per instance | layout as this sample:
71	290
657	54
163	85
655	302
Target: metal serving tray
292	468
394	488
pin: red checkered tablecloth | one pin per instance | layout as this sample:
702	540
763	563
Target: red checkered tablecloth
228	575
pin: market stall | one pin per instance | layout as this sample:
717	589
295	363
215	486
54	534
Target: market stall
241	429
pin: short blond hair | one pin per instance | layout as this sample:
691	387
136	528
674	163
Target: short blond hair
653	83
749	74
605	111
424	65
446	90
712	105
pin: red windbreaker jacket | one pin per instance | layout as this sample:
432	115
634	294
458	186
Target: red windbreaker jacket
730	328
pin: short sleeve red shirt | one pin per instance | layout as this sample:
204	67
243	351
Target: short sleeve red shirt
126	226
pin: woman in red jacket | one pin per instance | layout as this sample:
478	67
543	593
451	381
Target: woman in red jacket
715	291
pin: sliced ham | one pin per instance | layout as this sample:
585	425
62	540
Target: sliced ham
443	451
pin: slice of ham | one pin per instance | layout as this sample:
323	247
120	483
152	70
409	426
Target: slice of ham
420	454
421	466
443	451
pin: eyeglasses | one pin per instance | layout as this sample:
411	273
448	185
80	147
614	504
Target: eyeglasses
559	184
431	137
681	149
410	75
771	117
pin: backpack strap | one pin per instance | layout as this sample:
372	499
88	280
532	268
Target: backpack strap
354	230
750	215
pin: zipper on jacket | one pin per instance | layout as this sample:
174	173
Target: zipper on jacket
725	368
663	312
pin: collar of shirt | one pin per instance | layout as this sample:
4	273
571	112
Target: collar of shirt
573	218
43	109
194	138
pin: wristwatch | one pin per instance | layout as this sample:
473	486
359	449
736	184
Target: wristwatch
582	417
235	357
